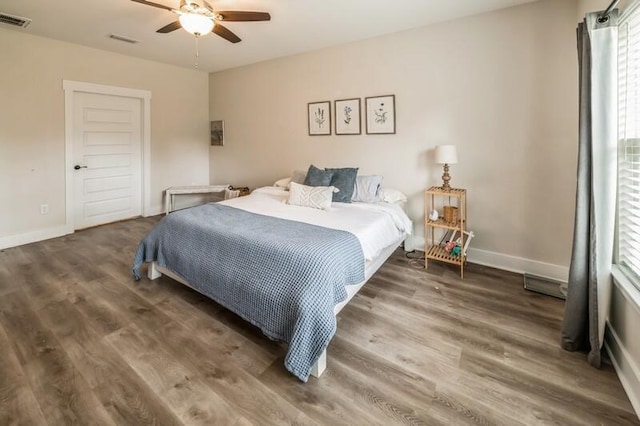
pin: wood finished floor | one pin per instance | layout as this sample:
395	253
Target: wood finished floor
81	342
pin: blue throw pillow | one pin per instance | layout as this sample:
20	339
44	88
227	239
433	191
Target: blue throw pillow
318	177
344	179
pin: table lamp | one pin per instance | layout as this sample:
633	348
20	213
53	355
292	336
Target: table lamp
446	154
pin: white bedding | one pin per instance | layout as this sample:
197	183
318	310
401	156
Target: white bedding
376	225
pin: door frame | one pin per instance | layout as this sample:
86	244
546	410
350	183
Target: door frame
70	89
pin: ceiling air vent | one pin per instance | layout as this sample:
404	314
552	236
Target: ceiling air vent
16	21
124	38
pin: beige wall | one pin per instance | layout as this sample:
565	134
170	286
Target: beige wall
501	86
32	123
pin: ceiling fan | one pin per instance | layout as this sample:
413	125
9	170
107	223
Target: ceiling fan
199	18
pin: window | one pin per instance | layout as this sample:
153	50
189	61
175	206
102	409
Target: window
629	145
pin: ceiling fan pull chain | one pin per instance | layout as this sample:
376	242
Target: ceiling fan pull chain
197	52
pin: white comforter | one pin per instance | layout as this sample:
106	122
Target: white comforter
375	225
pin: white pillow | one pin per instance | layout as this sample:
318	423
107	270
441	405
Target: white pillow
317	197
297	176
366	189
282	183
389	195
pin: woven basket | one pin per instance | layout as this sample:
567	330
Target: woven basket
243	190
451	214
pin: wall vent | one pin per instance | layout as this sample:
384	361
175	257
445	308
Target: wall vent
546	286
16	21
124	38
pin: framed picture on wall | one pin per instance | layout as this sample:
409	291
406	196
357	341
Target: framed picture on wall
347	113
319	115
217	133
380	115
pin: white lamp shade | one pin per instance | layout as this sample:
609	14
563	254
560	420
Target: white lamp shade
195	24
446	154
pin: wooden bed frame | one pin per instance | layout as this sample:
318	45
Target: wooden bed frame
155	271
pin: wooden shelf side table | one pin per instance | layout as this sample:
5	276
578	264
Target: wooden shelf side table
435	197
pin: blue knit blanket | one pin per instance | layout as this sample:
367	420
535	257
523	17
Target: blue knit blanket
285	277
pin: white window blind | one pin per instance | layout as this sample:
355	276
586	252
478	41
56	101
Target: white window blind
629	145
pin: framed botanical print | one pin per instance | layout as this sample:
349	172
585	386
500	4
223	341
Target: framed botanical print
319	116
381	115
217	133
347	112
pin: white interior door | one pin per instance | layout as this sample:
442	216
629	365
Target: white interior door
107	158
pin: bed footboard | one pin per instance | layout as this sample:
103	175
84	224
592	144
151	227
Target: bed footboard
320	365
153	272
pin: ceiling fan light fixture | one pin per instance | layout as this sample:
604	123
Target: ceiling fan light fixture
198	25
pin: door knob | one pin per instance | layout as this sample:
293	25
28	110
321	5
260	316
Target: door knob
78	167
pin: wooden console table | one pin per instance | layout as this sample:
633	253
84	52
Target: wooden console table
181	190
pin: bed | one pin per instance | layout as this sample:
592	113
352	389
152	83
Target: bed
286	269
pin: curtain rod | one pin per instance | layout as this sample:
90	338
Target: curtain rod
604	17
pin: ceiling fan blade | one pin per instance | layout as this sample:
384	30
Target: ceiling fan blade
149	3
225	33
170	27
237	16
207	5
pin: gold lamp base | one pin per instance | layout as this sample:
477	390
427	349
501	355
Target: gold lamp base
446	178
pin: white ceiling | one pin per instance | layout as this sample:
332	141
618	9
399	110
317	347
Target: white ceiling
296	25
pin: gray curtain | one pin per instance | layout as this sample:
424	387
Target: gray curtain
589	286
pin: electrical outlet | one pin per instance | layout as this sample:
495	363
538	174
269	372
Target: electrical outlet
44	208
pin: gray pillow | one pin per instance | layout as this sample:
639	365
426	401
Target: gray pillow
366	189
298	176
318	177
344	179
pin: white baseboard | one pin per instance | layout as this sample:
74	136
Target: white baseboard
154	211
518	264
627	370
34	236
482	257
503	261
45	234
